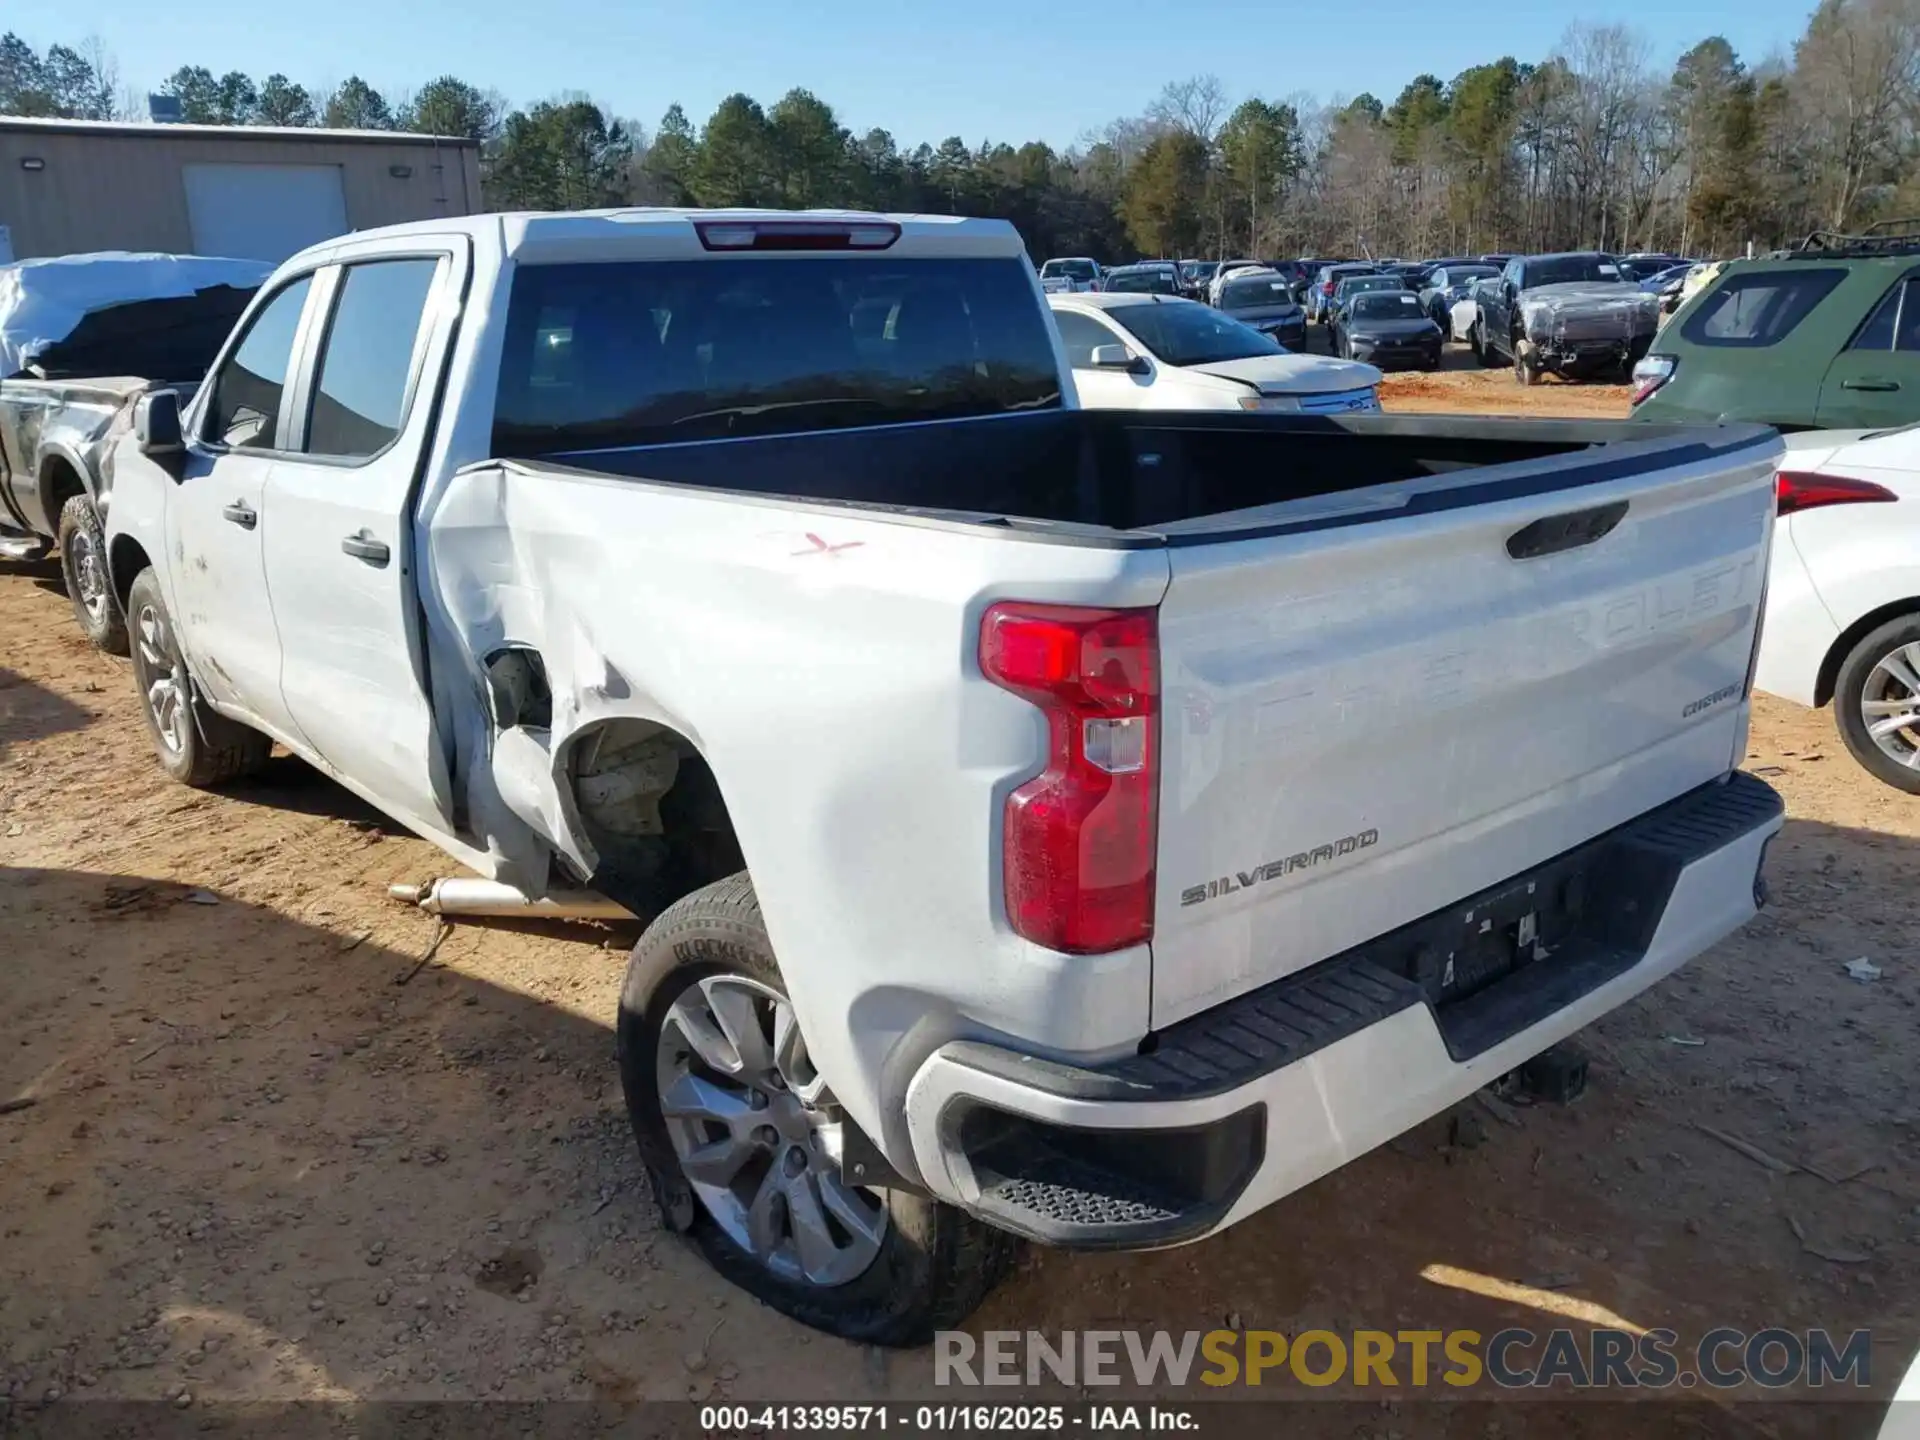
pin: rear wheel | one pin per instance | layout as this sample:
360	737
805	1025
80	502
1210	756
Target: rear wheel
83	566
1482	351
196	744
1876	703
742	1139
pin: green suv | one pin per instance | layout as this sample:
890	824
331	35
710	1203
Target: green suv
1826	336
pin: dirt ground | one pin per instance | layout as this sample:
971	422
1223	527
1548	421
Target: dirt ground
1462	387
251	1149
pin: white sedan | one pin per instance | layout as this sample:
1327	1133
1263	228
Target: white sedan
1154	352
1843	596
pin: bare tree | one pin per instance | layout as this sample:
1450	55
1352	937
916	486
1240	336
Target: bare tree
1197	106
1855	74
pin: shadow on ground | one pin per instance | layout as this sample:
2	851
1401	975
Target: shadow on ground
29	711
257	1164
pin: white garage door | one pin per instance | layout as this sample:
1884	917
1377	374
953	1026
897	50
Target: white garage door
263	212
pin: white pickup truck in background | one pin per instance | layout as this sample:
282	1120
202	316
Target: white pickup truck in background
1088	826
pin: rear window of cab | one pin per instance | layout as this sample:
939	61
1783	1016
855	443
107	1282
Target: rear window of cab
600	355
1759	308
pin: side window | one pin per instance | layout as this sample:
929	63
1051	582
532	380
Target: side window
1081	335
245	410
1760	308
1514	274
359	400
1907	335
1877	333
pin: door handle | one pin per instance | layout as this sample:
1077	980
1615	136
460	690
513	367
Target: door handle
362	547
241	514
1878	385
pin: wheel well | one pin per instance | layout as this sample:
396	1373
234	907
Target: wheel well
652	809
1837	652
125	560
59	483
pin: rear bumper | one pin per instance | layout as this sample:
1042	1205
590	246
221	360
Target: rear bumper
1243	1104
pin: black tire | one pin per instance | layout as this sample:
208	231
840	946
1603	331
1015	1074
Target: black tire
1848	686
1482	351
935	1264
83	567
195	743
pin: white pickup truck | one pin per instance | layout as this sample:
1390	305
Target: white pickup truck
1087	826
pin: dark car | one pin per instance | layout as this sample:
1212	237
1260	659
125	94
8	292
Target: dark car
1645	267
1827	337
1310	268
1264	300
1412	273
1389	330
1196	276
1352	285
1573	314
1447	285
1154	278
1327	279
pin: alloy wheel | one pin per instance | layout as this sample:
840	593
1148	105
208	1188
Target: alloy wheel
165	676
90	576
758	1136
1890	705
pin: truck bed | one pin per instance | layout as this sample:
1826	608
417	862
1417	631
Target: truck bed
1402	658
1083	475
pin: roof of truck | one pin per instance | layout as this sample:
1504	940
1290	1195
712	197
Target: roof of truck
526	233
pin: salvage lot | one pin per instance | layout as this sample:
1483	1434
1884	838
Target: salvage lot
270	1155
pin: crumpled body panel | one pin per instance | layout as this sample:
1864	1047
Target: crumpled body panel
818	659
1611	313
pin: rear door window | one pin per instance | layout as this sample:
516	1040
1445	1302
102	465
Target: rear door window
637	353
1761	309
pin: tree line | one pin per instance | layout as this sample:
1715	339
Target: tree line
1592	146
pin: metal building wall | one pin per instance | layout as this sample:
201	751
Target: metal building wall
114	187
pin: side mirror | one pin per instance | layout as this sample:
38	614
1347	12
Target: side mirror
156	423
1118	357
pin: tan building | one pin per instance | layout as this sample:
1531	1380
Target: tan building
71	186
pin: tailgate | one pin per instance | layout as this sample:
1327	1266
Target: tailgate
1375	709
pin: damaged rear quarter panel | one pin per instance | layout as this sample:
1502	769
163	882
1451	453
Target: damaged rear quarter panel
821	660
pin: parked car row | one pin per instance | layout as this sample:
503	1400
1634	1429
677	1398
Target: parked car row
1824	335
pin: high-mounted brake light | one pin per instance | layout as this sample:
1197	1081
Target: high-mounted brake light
1079	838
1803	490
796	234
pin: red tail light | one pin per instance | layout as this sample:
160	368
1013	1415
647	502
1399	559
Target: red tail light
1326	287
1079	837
1802	490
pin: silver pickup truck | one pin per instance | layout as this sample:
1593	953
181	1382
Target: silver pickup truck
81	339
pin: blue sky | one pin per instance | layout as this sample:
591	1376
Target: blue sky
984	69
